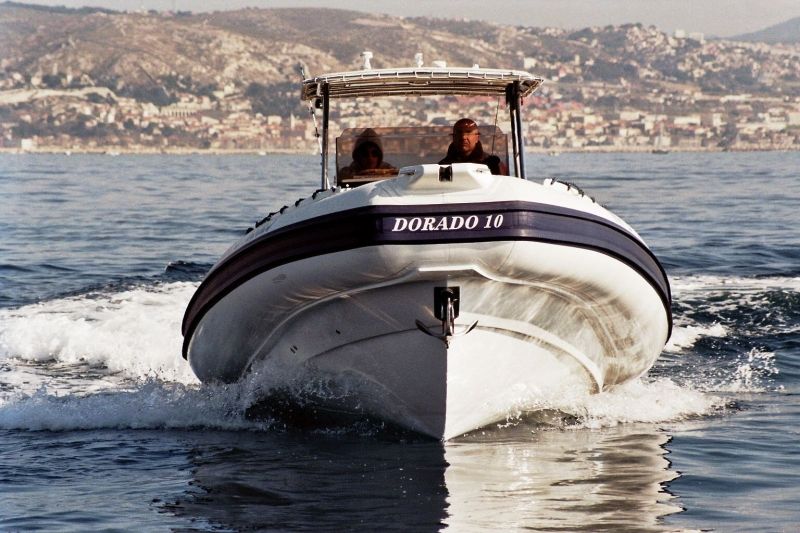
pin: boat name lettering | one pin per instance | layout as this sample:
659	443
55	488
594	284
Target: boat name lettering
446	222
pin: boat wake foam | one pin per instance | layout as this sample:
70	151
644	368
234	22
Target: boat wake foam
113	361
135	333
726	330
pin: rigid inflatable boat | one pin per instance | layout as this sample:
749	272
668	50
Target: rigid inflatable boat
438	297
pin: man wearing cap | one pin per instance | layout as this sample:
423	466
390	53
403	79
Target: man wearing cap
466	148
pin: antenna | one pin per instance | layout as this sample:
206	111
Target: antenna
311	111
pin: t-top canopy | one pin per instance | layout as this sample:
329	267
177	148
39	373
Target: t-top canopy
419	81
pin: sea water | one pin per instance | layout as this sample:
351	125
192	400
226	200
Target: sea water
104	427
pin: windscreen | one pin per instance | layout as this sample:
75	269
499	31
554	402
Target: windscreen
368	154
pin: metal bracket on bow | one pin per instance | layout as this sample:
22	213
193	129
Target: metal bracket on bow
445	308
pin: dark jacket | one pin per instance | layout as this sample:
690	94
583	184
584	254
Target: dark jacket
476	156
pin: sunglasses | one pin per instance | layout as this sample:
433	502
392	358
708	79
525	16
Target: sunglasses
371	152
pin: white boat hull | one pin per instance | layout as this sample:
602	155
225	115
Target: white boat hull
550	316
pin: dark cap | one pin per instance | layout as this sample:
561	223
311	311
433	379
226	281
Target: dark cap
465	124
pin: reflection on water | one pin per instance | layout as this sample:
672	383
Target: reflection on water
514	479
317	482
560	480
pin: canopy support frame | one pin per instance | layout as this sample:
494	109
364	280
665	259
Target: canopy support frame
514	101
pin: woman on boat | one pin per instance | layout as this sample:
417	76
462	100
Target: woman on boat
467	148
367	156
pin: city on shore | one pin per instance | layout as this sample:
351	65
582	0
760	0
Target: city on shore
624	88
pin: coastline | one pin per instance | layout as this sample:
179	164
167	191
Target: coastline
114	150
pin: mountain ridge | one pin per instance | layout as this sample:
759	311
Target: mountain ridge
787	32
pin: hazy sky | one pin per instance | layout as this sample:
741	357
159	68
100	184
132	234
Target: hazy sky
712	17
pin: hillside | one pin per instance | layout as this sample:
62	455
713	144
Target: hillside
198	73
138	54
133	52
